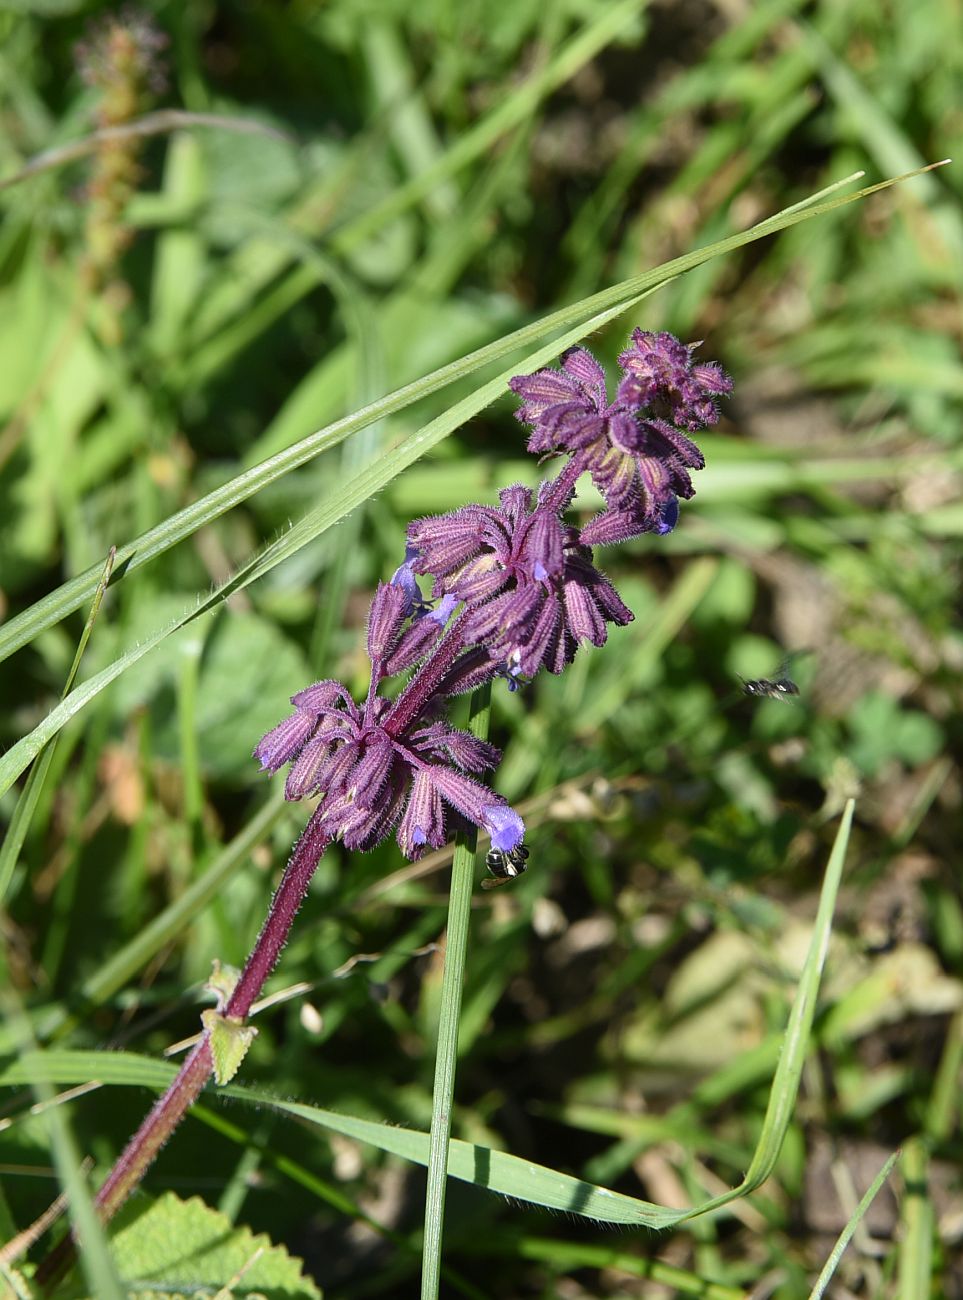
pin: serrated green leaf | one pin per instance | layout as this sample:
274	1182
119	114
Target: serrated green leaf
230	1040
177	1248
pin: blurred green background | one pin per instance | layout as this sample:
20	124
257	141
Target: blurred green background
375	190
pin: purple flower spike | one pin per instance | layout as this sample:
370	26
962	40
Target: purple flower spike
661	376
530	591
635	448
374	771
527	594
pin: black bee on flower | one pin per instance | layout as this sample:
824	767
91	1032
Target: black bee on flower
505	865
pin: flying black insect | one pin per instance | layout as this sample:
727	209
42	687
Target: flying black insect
764	688
779	687
505	866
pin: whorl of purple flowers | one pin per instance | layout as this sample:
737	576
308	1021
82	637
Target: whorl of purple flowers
635	448
526	591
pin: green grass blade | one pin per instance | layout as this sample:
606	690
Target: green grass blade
310	526
94	1254
27	803
446	1050
919	1223
825	1277
944	1101
785	1085
467	1161
20	630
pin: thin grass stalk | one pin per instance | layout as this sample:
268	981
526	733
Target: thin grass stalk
919	1221
446	1052
829	1268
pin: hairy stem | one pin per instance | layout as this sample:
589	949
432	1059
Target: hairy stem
170	1109
411	702
555	494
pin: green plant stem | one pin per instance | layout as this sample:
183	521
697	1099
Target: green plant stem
916	1244
446	1051
456	947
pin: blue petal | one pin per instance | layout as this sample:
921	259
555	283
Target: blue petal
669	516
506	828
404	578
442	611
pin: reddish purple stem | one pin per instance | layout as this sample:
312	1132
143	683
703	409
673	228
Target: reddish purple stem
170	1109
556	492
426	681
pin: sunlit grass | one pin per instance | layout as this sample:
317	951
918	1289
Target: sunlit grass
458	184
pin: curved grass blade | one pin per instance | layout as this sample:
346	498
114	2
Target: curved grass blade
498	1171
311	525
785	1085
19	631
